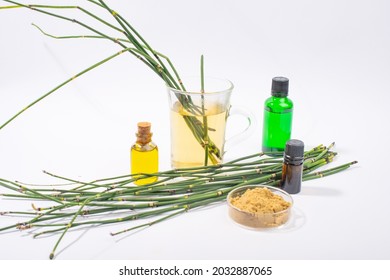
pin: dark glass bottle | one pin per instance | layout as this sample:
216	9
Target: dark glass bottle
292	166
277	121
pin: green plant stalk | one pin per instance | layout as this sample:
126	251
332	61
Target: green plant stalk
308	162
177	76
70	224
78	8
25	189
124	24
125	48
48	216
33	7
139	47
151	223
205	125
8	7
66	229
214	152
122	21
330	171
61	85
38	217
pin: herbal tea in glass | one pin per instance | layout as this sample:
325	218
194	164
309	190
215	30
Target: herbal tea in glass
198	122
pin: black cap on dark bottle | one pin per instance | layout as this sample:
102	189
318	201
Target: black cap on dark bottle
293	152
279	87
292	167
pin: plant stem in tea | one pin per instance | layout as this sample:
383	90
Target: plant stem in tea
205	124
186	151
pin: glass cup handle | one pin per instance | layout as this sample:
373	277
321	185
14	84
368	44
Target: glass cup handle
246	132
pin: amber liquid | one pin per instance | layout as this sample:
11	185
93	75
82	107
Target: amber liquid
144	159
186	150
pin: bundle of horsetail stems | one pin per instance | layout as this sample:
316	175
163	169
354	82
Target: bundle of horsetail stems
175	192
129	40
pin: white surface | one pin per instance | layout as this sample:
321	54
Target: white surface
335	54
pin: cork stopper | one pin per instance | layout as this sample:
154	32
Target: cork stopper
144	135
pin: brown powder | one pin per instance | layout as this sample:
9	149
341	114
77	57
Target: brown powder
260	205
260	200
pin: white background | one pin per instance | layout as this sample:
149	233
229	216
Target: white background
335	53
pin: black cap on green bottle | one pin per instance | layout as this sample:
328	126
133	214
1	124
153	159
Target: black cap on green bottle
279	87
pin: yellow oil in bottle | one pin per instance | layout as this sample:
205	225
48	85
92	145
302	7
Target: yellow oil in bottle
144	156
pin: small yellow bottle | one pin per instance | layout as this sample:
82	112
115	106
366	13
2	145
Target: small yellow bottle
144	155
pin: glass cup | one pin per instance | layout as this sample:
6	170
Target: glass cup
198	121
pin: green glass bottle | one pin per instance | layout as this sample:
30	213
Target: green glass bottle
277	121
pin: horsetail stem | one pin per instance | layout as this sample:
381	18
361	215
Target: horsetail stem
61	85
159	54
205	126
